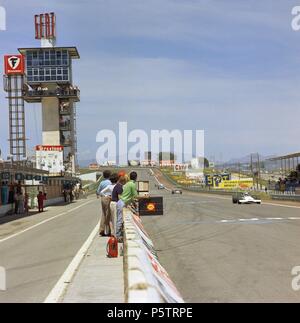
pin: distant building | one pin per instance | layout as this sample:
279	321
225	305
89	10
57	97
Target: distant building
166	163
146	163
133	163
93	166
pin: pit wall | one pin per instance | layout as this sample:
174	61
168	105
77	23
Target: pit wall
146	281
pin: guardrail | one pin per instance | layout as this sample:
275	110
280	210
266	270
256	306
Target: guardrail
286	197
146	281
38	94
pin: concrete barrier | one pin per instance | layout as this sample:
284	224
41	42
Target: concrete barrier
146	281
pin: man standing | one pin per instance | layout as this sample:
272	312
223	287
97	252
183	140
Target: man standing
128	196
105	201
41	197
116	193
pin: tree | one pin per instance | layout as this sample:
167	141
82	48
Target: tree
206	163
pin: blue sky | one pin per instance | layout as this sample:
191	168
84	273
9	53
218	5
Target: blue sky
229	67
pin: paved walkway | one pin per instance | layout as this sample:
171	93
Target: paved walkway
99	279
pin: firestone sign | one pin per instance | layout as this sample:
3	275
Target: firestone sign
14	64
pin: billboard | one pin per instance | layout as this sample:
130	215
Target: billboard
14	64
216	180
143	187
51	159
241	184
180	167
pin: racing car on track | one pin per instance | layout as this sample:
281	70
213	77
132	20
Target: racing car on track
177	191
244	198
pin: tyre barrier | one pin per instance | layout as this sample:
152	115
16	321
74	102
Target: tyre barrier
146	281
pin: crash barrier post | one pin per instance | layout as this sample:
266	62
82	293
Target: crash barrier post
146	281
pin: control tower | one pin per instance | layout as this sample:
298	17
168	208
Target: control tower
49	81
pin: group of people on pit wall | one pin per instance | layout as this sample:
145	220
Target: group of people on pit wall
116	191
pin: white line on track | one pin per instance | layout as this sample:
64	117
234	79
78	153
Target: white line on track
59	289
256	219
282	205
263	203
158	182
43	222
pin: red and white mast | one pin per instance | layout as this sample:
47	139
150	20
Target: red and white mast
45	29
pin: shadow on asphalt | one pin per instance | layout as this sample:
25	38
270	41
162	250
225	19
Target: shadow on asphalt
9	217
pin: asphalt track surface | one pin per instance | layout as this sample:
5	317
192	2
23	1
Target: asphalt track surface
36	250
216	251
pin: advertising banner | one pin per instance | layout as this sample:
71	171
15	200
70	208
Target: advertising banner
242	184
217	180
156	275
165	284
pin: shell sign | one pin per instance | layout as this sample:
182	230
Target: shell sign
14	64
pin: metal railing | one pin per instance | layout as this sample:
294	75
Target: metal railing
21	166
60	93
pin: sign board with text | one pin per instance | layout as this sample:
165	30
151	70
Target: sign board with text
180	167
50	158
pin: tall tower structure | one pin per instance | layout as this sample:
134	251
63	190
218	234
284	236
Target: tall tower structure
13	82
49	81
